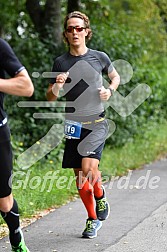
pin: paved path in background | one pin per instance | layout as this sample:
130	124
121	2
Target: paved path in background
137	223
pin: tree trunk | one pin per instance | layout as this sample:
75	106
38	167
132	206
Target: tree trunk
73	5
46	19
53	19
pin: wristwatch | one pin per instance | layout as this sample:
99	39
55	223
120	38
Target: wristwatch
112	90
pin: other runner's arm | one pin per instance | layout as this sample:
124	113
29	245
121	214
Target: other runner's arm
19	85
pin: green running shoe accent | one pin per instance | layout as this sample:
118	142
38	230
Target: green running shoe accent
92	226
102	207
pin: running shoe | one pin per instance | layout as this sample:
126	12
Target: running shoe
102	207
21	247
92	226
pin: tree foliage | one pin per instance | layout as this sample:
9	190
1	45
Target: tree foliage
162	7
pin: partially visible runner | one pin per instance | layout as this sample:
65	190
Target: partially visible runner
19	84
79	73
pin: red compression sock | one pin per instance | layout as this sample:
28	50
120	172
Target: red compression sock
98	191
86	194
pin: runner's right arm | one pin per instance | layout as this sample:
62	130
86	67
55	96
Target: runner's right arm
53	89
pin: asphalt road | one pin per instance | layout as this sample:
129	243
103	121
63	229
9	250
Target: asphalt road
137	223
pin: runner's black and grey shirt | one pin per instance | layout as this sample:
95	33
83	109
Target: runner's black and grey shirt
85	77
8	64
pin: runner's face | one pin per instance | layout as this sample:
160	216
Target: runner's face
75	37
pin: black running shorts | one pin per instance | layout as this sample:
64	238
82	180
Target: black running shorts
5	162
90	144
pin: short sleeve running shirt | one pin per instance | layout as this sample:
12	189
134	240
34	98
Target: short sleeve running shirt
84	80
9	64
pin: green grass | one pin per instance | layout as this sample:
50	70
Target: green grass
44	187
35	191
146	147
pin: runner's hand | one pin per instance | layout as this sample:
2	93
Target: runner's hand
60	81
104	93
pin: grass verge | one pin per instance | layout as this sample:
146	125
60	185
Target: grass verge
149	145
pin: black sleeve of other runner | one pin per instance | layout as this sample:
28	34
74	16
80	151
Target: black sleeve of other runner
8	60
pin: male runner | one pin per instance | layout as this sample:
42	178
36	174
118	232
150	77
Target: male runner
79	73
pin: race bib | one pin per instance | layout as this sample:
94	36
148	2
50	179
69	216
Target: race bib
72	129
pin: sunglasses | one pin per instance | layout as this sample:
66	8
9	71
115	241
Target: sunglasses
70	29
